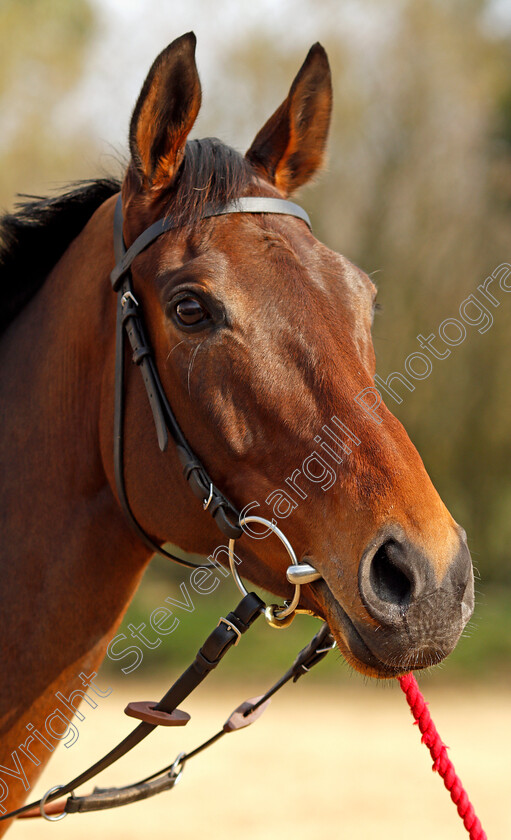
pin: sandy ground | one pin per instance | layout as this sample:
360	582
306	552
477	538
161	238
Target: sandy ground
344	763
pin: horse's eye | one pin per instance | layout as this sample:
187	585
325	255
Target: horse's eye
190	311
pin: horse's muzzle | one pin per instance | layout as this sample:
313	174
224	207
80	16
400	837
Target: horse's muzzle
419	619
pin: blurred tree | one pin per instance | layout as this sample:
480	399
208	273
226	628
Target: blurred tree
42	50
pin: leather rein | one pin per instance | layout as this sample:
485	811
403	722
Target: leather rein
229	630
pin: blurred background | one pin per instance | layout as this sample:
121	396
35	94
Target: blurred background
417	191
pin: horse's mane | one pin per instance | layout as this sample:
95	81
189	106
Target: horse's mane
34	237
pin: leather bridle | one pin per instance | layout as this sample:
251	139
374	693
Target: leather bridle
130	323
229	630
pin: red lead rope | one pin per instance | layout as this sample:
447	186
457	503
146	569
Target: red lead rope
441	761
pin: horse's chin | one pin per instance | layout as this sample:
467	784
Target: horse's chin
351	644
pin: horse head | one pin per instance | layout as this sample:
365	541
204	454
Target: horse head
262	338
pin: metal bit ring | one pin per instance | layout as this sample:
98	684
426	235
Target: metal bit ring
288	609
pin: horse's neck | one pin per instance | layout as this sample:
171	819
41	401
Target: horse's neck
69	563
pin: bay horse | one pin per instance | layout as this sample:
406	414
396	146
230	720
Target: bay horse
262	339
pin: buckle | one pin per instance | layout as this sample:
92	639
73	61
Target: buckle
232	627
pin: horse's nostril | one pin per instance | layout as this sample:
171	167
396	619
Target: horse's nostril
392	580
389	582
417	614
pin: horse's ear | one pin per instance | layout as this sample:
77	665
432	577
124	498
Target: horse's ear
165	113
290	147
